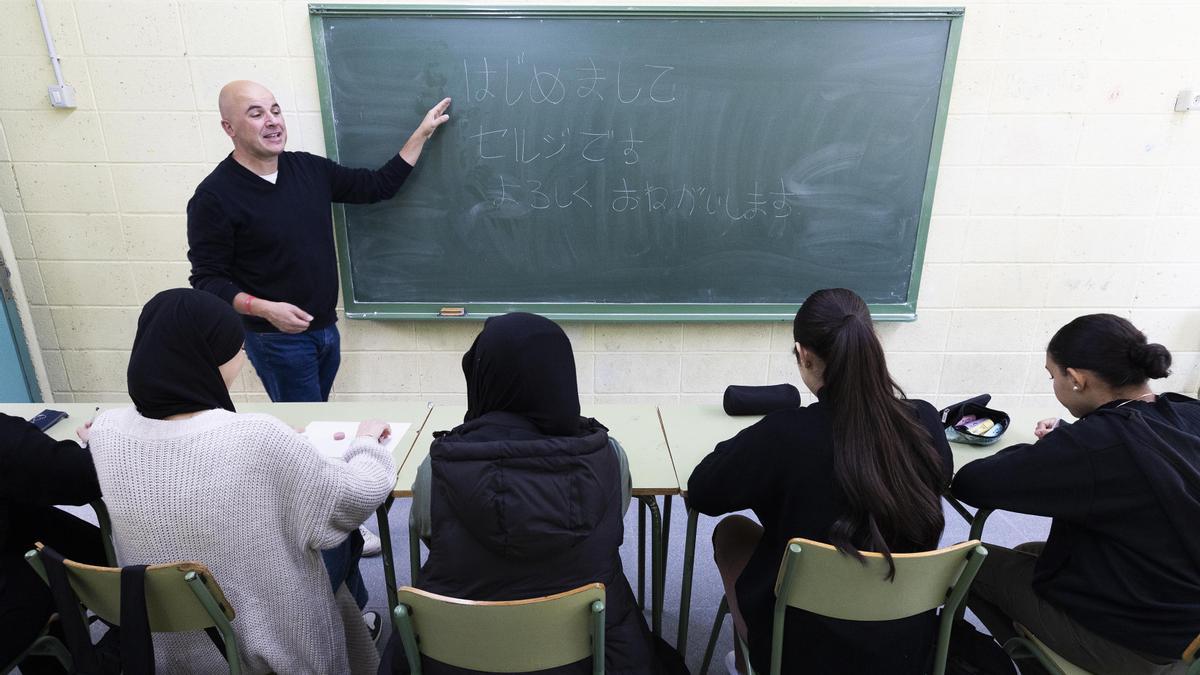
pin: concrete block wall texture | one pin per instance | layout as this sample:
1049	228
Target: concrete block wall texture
1067	186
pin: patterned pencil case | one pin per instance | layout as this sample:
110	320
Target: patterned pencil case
973	423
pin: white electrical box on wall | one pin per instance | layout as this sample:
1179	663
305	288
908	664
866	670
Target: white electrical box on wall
1188	100
62	95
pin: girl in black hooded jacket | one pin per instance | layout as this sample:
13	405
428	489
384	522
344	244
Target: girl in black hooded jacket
527	496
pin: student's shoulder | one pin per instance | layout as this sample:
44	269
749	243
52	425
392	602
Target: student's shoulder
10	424
274	440
18	434
262	423
1100	428
115	418
793	422
929	415
1111	426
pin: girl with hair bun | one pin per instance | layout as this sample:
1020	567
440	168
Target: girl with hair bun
863	469
1115	588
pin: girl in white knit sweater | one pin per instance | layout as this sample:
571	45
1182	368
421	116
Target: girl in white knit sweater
185	477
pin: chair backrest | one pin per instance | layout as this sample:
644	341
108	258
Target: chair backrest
818	578
172	603
510	636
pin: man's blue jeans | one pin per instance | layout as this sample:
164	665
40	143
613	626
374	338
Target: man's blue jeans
298	368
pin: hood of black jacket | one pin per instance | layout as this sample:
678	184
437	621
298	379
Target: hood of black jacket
520	493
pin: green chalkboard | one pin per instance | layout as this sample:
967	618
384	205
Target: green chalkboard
625	163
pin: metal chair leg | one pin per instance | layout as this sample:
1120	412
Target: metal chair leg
666	522
656	563
641	592
414	554
657	567
389	563
685	593
722	610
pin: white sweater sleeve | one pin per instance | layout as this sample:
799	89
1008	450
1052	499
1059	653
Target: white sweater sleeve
339	495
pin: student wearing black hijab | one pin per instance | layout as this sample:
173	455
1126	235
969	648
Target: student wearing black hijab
552	519
185	477
37	472
181	336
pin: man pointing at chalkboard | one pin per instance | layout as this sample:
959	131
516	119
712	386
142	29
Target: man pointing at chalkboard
260	236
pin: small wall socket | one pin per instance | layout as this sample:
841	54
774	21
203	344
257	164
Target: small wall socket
62	96
1188	100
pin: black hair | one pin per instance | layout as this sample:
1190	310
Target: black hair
1111	347
884	461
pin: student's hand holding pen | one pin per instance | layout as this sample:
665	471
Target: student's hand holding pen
85	432
1046	426
376	429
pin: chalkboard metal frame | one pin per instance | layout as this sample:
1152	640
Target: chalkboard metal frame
906	311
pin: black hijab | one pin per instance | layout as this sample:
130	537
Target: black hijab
522	363
183	336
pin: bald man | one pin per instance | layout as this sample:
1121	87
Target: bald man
260	236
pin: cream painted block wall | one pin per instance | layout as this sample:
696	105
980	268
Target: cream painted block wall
1067	186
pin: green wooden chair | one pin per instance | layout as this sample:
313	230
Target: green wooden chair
180	597
818	578
44	645
1027	645
503	637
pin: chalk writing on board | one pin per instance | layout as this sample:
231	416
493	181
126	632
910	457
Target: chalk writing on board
598	164
628	197
526	80
529	147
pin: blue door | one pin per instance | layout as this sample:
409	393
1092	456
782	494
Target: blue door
17	382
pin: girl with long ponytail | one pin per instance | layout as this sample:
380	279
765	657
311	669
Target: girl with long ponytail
863	469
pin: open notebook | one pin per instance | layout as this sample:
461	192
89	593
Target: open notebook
322	435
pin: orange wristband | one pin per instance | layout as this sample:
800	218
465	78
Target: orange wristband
246	303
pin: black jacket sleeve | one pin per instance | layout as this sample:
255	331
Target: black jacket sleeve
210	246
36	470
1053	477
364	186
739	473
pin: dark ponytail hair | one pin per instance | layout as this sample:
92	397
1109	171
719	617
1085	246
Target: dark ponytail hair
884	461
1112	348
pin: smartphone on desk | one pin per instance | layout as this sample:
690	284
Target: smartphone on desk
48	418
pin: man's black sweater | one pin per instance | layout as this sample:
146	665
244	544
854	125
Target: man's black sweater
1123	487
275	241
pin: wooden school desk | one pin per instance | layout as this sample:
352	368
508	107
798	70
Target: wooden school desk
693	431
639	431
294	414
